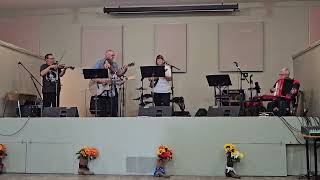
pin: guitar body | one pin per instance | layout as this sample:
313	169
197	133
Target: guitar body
97	89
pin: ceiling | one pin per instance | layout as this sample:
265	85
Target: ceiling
18	4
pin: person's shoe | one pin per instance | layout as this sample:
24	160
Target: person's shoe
84	171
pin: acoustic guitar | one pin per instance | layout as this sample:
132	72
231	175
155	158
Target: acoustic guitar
97	89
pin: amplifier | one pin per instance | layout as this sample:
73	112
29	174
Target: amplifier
234	97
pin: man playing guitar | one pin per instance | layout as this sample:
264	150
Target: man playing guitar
108	100
285	89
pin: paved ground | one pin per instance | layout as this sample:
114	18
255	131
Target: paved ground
112	177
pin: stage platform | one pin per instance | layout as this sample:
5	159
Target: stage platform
128	145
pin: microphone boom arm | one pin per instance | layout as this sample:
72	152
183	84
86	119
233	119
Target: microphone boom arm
33	78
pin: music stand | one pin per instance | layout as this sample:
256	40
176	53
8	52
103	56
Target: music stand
150	71
218	82
95	74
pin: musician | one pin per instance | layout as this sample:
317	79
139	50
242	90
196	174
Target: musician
286	89
51	73
161	86
108	100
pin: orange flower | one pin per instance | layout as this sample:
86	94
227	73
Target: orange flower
164	152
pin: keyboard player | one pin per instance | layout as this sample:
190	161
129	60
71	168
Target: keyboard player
285	89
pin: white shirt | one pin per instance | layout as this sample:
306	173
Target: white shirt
164	86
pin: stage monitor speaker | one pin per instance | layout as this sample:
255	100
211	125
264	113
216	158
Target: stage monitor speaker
224	111
201	112
156	111
60	112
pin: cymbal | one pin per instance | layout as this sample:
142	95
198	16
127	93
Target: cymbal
145	103
145	96
140	88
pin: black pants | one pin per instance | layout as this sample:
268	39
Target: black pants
49	99
282	105
106	106
161	99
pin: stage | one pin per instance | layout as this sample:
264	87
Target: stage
128	145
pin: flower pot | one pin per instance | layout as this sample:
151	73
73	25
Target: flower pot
1	166
83	167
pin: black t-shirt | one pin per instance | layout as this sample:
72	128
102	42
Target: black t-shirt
49	80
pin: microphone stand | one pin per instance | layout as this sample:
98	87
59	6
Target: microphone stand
33	78
172	87
251	82
57	79
243	76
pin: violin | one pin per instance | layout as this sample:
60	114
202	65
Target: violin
63	66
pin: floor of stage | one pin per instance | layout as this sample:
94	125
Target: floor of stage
112	177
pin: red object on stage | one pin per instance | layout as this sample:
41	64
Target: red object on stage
267	98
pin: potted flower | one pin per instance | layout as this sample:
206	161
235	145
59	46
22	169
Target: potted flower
233	155
85	155
164	154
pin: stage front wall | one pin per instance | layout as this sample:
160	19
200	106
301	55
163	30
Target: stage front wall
128	145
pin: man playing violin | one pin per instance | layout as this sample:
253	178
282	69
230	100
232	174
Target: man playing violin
51	73
108	100
285	89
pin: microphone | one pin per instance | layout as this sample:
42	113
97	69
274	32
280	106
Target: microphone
236	63
19	62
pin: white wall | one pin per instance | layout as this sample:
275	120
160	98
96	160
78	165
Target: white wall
286	32
307	68
14	77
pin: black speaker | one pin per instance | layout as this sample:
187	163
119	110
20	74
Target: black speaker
60	112
224	111
156	111
29	111
181	113
201	112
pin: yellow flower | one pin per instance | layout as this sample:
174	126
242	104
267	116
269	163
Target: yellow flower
229	147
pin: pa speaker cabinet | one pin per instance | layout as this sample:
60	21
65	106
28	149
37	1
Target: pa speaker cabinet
224	111
156	111
60	112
